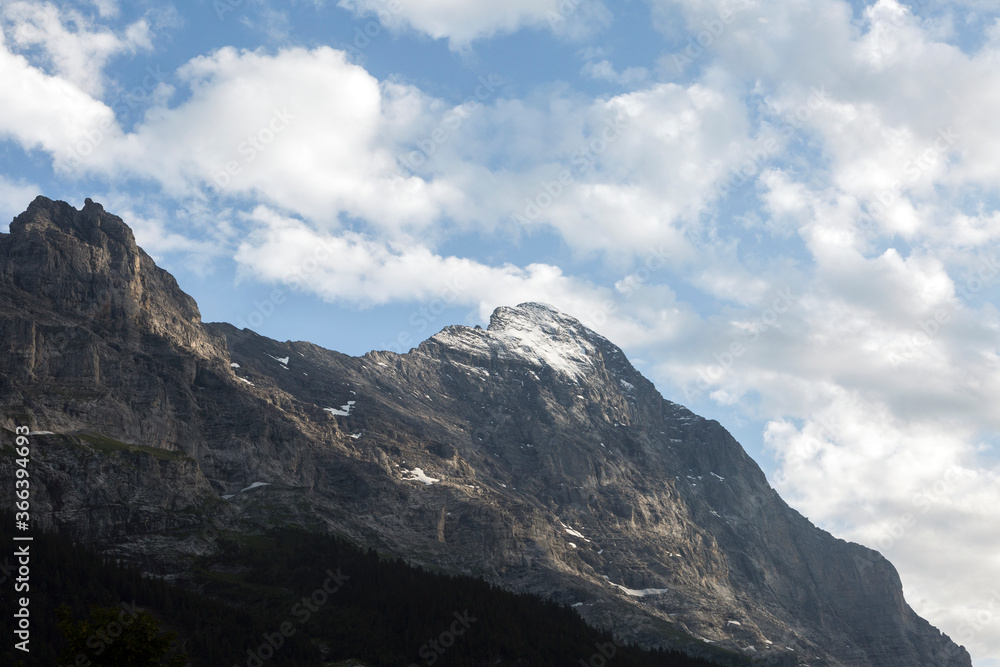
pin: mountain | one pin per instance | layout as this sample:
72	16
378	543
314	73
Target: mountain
373	600
530	453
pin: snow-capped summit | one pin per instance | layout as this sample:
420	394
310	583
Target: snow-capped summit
533	332
531	314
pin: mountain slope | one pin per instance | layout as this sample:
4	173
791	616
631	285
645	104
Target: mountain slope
359	624
530	453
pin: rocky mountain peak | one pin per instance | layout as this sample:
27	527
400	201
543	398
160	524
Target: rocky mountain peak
91	225
531	315
535	334
85	264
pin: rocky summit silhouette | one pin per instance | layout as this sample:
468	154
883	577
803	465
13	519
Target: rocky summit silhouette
530	453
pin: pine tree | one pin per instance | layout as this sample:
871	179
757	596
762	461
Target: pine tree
117	637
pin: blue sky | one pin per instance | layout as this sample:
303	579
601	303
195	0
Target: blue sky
785	212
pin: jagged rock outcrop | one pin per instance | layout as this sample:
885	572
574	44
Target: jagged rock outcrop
86	264
531	453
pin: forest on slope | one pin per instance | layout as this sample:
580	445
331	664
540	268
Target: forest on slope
287	597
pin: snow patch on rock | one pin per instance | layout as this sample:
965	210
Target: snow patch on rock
641	593
344	411
574	533
418	475
531	332
255	485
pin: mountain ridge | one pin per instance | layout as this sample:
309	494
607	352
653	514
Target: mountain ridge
100	273
558	469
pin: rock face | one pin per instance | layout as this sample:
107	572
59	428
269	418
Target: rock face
86	264
531	453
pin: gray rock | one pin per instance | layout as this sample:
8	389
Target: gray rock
530	453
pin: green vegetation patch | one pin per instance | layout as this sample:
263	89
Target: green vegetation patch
106	445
